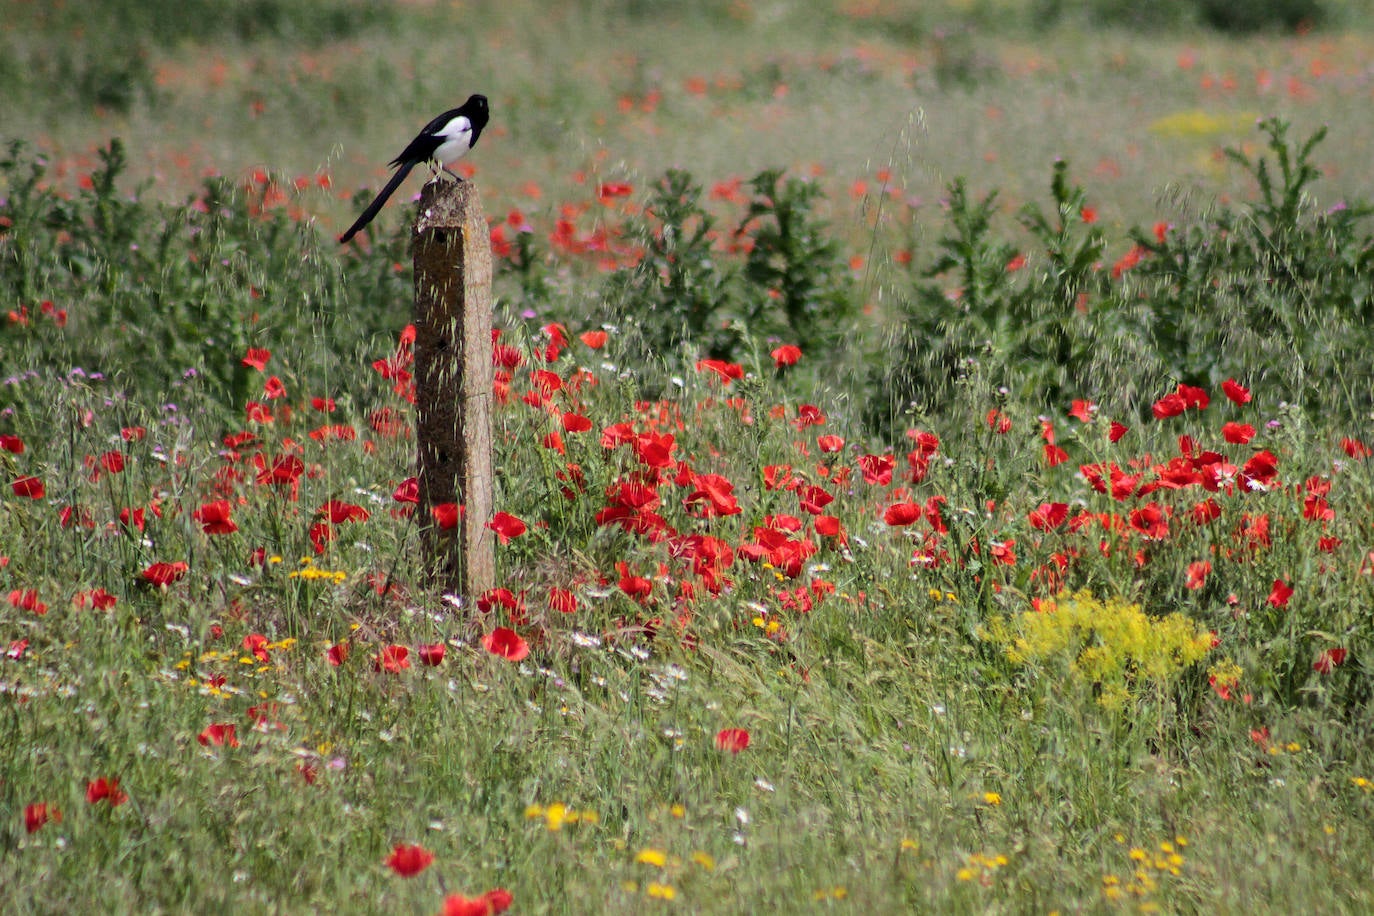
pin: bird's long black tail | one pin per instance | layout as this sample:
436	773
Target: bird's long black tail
375	207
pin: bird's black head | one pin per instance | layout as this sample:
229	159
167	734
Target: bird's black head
475	108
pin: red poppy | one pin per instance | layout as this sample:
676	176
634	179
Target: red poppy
1197	574
104	789
733	740
392	658
257	358
29	487
214	517
219	733
562	600
492	902
1280	593
112	462
877	469
786	355
904	513
408	491
830	443
1355	448
506	643
1083	411
593	339
728	372
1116	431
446	515
1238	393
1329	659
256	644
575	423
273	388
35	816
431	654
1237	433
26	599
12	444
409	861
338	653
506	526
1171	405
162	574
1049	515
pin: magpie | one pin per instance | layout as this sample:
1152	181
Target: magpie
442	141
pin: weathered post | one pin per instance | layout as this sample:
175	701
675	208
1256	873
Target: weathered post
453	384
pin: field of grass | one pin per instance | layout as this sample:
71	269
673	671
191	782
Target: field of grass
923	526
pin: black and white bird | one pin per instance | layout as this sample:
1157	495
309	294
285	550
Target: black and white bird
443	141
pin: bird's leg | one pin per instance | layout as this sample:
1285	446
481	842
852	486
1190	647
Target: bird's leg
456	176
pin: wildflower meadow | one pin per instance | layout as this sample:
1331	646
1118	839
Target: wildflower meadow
934	448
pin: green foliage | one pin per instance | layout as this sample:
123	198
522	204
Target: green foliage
1261	15
157	294
679	290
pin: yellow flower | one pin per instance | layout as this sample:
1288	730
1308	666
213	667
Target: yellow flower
704	860
677	811
655	857
992	798
661	891
965	874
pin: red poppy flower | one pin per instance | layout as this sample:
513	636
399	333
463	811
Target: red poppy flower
26	599
506	643
17	649
1280	593
409	861
733	740
1329	659
1237	433
900	514
219	733
562	600
575	423
29	487
112	462
506	526
161	574
1082	410
104	789
257	358
593	339
408	491
1355	448
392	658
1049	515
1116	431
256	644
1171	405
1197	574
338	653
786	355
1238	393
727	372
35	816
830	443
446	515
12	444
492	902
273	388
431	654
214	518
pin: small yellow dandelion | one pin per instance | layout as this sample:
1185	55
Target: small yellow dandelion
655	857
660	891
965	874
704	859
678	811
992	798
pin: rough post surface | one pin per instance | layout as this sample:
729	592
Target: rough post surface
453	384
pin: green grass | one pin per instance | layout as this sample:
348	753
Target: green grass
899	758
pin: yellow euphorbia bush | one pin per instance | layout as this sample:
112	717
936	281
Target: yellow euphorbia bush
1108	644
